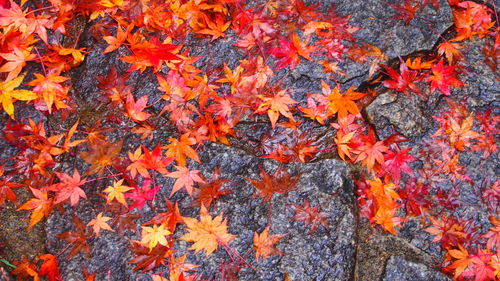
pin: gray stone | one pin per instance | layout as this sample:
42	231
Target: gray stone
399	269
407	113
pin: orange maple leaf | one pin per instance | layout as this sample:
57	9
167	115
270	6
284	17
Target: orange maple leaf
341	104
41	206
51	88
276	105
99	223
462	262
342	141
180	148
450	50
264	244
135	108
116	42
207	233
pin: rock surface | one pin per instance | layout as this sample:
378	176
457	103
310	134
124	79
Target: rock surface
399	269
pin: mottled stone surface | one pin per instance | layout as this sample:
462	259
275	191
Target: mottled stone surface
399	269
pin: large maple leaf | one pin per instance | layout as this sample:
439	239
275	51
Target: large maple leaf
276	105
370	153
396	161
77	239
16	60
207	233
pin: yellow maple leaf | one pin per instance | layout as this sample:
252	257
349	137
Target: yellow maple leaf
152	236
207	233
9	94
116	192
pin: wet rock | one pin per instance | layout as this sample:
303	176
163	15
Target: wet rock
399	269
408	114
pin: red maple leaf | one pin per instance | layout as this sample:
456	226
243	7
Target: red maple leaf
443	77
310	216
288	52
403	81
396	161
142	194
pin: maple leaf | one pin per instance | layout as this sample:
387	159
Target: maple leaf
147	259
338	103
180	148
9	94
443	77
396	161
6	186
69	188
101	155
450	50
16	60
185	178
50	267
387	220
77	239
151	236
25	269
314	111
135	108
405	11
15	19
276	105
51	88
342	141
461	134
463	261
149	160
207	233
310	216
116	42
211	190
215	28
142	195
264	244
493	234
403	81
41	206
446	231
170	218
99	223
288	52
279	182
116	192
370	153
